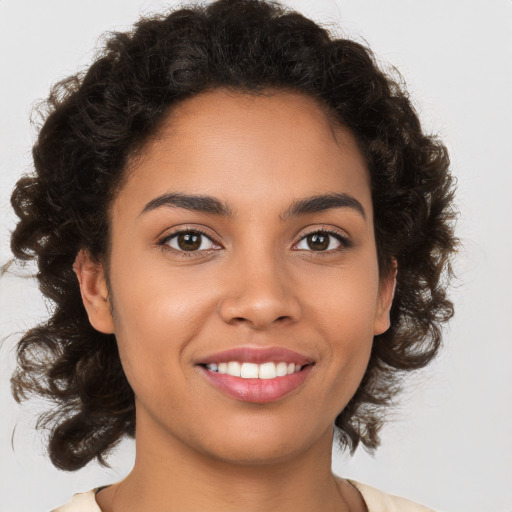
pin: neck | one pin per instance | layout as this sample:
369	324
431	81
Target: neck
169	476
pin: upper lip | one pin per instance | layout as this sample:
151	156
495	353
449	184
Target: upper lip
257	355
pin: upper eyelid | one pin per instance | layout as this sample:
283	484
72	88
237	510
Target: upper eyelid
188	229
164	240
331	230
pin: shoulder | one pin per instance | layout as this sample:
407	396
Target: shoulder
82	502
379	501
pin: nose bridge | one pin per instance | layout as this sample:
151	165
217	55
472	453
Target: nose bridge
260	289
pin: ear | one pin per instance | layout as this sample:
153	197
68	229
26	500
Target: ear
94	290
385	300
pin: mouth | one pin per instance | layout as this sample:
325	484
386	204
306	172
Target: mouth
256	375
246	370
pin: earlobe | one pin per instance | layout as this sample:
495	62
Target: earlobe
385	300
93	288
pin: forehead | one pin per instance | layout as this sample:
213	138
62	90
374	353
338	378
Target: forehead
259	148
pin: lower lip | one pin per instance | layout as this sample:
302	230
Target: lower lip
259	391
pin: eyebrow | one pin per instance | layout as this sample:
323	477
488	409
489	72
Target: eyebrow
324	202
204	204
211	205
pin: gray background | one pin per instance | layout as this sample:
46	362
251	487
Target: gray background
449	444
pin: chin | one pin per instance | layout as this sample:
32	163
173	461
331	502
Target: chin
262	444
255	454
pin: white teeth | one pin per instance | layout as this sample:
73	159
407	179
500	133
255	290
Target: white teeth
234	368
249	371
281	369
267	371
255	371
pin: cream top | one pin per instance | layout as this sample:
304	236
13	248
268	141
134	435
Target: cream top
376	501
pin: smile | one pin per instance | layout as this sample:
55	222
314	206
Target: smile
255	371
257	375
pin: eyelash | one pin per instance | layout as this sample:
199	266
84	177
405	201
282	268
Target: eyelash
344	241
164	242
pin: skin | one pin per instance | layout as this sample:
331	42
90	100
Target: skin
258	282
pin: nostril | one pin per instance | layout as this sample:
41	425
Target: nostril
259	310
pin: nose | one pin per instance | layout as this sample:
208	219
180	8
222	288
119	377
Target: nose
260	293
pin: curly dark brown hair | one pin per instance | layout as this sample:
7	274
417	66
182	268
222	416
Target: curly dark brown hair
95	121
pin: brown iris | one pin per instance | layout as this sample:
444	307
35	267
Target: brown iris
189	241
318	241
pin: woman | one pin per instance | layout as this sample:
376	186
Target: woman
246	235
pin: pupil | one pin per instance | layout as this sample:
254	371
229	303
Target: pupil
189	241
318	242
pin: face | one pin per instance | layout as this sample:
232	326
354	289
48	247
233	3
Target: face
243	235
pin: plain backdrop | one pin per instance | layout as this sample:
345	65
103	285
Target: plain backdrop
449	443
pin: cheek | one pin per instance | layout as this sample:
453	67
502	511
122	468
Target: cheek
344	302
343	309
156	315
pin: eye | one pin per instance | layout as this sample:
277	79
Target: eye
189	241
322	241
